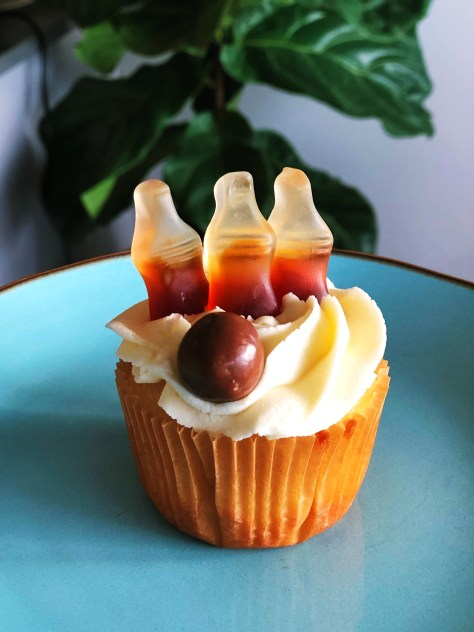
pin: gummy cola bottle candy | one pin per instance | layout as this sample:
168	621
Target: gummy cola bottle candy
304	242
239	246
167	253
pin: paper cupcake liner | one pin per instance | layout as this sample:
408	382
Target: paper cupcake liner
255	492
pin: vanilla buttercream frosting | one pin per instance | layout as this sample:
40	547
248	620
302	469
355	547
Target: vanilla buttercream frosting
319	361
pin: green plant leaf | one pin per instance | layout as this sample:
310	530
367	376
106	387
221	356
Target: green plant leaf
348	213
107	198
85	12
379	16
208	150
150	28
100	47
103	129
95	198
320	54
389	16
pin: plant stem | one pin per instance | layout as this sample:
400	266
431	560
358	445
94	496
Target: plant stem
219	86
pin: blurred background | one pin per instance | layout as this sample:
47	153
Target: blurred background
422	188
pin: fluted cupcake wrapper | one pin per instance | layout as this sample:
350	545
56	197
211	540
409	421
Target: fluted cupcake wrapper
255	492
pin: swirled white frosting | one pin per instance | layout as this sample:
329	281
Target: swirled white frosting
319	360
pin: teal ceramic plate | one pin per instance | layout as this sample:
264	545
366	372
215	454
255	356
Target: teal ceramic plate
82	549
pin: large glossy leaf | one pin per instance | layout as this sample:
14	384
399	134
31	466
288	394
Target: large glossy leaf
148	27
389	16
208	150
382	16
321	54
104	129
154	27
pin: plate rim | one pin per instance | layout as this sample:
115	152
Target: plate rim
344	253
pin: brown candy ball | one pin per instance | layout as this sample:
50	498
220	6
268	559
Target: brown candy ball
221	357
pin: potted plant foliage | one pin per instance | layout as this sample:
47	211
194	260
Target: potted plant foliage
361	57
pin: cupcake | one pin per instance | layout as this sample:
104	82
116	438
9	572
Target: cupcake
251	391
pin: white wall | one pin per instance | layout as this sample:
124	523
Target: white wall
27	241
423	189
